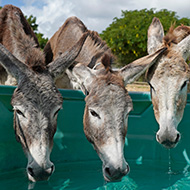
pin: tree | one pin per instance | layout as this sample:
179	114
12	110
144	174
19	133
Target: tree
127	36
32	21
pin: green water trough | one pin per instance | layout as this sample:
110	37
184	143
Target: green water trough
77	165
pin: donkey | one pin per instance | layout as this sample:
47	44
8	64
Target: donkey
91	53
168	79
36	101
107	101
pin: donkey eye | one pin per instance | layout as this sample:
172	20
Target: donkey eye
20	113
151	85
17	138
184	84
56	112
151	89
93	113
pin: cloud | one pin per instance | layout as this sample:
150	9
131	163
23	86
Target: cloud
50	16
96	14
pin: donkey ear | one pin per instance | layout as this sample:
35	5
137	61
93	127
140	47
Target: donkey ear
12	65
155	35
57	67
184	47
134	70
84	76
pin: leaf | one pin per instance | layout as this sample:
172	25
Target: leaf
127	35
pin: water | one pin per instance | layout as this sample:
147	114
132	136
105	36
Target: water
149	175
170	172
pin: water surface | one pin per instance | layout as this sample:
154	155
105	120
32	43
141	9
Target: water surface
149	175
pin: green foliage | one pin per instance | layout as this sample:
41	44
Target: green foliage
42	41
127	36
32	21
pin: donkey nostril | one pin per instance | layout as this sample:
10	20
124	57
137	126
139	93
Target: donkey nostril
177	138
52	169
157	137
30	171
107	170
127	170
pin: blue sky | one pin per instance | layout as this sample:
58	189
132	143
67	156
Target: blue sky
96	14
17	3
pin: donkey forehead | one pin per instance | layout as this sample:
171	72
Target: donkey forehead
171	66
109	95
41	94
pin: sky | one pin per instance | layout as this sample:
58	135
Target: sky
95	14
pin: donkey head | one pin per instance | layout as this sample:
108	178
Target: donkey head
36	102
168	79
107	108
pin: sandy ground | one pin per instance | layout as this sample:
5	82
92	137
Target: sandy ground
138	87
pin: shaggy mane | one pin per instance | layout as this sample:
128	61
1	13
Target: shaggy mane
176	35
170	37
99	47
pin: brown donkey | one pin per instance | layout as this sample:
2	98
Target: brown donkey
36	101
107	101
168	79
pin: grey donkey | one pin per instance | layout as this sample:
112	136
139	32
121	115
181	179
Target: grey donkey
168	79
36	100
108	103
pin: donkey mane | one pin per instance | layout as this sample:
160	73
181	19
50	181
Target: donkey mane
94	38
176	35
97	40
114	79
96	43
106	61
73	28
95	46
108	75
182	32
170	37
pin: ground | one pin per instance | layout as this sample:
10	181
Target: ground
138	87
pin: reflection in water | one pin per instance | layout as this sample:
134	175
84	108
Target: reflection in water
31	185
126	141
170	171
88	175
185	170
139	160
64	185
184	182
169	163
58	137
45	185
126	184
